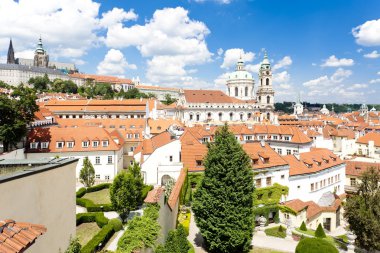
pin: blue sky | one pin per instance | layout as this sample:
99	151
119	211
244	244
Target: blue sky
329	51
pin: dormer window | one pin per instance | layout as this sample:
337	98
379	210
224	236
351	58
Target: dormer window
105	143
60	144
70	144
255	161
33	145
137	136
266	160
95	144
44	145
85	144
287	138
199	162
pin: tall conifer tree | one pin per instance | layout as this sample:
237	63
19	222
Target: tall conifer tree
223	204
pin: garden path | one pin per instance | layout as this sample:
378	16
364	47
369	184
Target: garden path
80	209
275	243
195	237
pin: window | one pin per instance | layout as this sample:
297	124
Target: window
249	115
191	116
137	136
316	186
282	176
258	183
209	115
353	181
85	144
105	143
287	138
171	158
338	177
198	117
220	116
129	136
246	91
97	176
60	144
241	117
279	151
275	137
131	149
34	145
311	187
44	144
248	137
199	162
205	139
231	116
107	177
267	81
109	159
288	151
269	181
268	99
97	160
70	144
95	144
236	92
298	187
255	161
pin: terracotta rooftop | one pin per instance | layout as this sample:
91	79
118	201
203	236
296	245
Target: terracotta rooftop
308	162
372	136
192	152
160	125
265	156
356	168
148	146
159	88
174	195
154	195
211	96
18	236
102	79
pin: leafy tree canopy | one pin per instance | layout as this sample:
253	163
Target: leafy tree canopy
87	173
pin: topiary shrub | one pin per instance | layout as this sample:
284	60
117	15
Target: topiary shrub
100	238
320	233
303	226
81	192
99	218
116	223
98	187
280	229
315	245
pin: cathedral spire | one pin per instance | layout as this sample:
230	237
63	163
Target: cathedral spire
11	54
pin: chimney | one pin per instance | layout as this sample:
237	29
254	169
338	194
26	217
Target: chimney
297	156
262	143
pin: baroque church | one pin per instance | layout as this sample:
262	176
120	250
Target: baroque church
240	103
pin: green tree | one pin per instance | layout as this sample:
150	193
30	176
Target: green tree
126	190
74	246
169	100
16	112
223	204
362	211
303	226
40	83
87	173
315	245
176	242
320	233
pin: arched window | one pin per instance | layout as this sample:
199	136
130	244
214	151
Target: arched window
268	99
246	91
267	81
241	117
231	116
261	82
249	115
191	116
198	117
209	115
268	115
165	179
220	116
259	98
236	92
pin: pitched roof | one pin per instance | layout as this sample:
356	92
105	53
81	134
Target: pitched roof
160	125
308	162
211	96
261	153
356	168
148	146
372	136
53	135
18	236
154	195
192	151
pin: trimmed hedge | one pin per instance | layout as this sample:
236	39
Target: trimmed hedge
320	233
116	223
276	232
98	187
101	238
99	218
90	205
81	192
315	245
303	226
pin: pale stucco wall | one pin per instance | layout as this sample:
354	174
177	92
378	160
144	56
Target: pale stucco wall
46	198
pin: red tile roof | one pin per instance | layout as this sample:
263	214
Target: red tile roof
299	167
102	79
211	96
372	136
148	146
261	153
356	168
192	151
174	195
18	236
154	195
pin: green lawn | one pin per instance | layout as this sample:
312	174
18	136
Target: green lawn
274	231
260	250
86	231
99	197
308	232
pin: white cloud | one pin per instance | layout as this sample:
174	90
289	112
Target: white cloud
114	63
373	55
357	86
282	77
253	68
232	55
26	54
332	61
374	81
368	34
359	50
220	51
217	1
378	73
115	16
340	75
323	80
284	62
220	81
170	40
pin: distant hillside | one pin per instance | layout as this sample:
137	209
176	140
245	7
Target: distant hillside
287	107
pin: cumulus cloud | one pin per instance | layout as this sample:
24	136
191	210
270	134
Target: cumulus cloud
232	55
170	40
340	75
333	61
373	55
114	63
284	62
115	16
281	78
254	68
357	86
217	1
368	34
374	81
